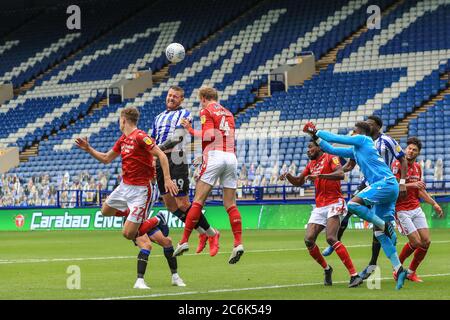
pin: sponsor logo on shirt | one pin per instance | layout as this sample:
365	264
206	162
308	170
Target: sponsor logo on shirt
148	141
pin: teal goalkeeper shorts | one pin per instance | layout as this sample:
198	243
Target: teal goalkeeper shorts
382	195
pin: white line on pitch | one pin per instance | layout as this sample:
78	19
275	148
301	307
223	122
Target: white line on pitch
156	295
18	261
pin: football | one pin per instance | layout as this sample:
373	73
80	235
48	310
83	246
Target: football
175	52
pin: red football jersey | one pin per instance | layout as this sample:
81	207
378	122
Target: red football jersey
137	161
217	128
412	200
327	191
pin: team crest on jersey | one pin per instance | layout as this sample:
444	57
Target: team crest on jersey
148	141
336	161
202	119
395	170
398	148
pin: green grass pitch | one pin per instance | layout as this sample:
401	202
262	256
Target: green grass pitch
33	265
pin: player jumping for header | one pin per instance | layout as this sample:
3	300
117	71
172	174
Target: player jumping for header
219	162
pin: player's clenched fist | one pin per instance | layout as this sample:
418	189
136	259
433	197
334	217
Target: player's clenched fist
185	123
310	128
82	143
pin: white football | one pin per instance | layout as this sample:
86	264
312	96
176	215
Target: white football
175	52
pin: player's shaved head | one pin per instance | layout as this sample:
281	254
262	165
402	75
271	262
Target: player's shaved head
131	114
376	120
314	150
174	98
178	89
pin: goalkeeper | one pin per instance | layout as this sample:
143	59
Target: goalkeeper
381	193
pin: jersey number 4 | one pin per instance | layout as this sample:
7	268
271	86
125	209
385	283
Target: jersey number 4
224	126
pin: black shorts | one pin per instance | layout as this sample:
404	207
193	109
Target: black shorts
178	172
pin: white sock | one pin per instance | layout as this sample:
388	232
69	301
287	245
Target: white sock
397	267
211	232
327	267
200	230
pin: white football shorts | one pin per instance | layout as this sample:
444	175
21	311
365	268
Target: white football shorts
220	165
322	214
135	198
409	221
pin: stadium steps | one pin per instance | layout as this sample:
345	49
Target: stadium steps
96	106
226	25
29	152
30	84
162	74
261	93
400	130
33	150
330	57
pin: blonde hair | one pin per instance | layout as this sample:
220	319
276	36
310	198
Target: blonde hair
208	93
131	114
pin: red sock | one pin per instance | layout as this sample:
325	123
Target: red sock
315	253
407	250
419	255
342	252
122	213
148	225
192	217
236	224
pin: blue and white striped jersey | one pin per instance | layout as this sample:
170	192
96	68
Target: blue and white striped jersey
388	148
165	124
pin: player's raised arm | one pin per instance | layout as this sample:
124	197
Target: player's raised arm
355	140
338	151
171	187
103	157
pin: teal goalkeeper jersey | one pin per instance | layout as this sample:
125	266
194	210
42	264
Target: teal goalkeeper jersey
363	151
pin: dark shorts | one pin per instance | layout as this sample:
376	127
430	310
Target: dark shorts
178	172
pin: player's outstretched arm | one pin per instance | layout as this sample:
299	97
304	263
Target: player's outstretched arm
187	125
428	199
170	186
103	157
338	151
356	140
